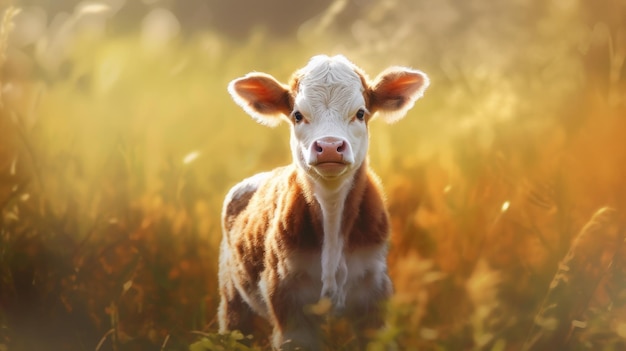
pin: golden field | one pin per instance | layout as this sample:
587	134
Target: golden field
505	183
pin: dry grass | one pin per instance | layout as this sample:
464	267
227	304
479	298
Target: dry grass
114	164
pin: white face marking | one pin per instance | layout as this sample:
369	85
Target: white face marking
330	95
330	143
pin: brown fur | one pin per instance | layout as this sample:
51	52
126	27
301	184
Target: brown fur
280	217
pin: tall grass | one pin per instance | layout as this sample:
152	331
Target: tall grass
114	164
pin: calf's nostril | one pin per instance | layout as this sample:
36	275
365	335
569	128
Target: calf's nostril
342	147
317	147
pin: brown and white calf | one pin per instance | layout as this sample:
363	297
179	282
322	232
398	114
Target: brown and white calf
317	228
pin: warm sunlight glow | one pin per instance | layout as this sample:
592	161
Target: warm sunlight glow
93	7
505	206
119	143
190	157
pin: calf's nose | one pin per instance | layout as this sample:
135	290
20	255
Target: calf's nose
329	149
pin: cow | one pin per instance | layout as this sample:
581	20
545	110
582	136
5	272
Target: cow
317	229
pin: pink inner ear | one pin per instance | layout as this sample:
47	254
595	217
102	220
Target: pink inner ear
406	83
400	83
394	89
263	94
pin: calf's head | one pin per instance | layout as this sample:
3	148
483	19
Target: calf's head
328	104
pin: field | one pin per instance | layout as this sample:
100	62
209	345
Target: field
505	183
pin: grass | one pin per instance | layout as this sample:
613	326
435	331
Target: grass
114	165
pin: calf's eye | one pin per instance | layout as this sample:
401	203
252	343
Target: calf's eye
360	114
298	117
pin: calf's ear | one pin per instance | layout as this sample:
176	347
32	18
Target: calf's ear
262	97
395	91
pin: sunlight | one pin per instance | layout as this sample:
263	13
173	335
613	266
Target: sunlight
119	142
505	206
92	7
190	157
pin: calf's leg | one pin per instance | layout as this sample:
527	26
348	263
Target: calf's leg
233	312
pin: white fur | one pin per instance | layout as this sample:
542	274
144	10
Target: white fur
360	262
334	269
330	93
246	186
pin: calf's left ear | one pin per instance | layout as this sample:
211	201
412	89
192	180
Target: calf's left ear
395	91
262	97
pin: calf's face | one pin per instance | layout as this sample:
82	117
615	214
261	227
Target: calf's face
329	104
329	131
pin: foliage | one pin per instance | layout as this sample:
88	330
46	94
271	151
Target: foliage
117	148
219	342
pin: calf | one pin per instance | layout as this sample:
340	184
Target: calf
316	229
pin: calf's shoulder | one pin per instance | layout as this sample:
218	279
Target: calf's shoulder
273	205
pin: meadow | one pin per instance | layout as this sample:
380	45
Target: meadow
505	183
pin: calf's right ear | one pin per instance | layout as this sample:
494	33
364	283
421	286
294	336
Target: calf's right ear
395	91
262	97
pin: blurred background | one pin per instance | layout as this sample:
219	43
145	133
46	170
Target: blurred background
505	183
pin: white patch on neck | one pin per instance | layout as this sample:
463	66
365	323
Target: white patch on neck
334	268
